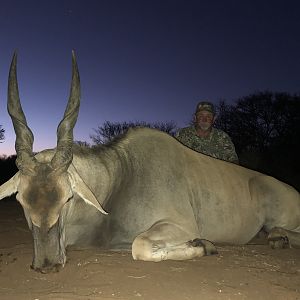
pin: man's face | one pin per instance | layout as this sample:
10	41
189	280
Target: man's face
204	120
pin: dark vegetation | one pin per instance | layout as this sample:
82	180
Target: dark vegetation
109	130
2	131
7	170
265	128
7	167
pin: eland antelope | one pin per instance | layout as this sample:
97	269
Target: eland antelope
144	191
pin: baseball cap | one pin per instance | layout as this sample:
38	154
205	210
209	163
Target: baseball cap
207	106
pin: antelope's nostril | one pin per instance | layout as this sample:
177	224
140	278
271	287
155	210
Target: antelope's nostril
47	267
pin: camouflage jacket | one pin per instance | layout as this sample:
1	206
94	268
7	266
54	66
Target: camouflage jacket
218	144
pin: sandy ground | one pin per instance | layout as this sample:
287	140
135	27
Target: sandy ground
237	272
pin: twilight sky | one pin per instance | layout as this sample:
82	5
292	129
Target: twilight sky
149	60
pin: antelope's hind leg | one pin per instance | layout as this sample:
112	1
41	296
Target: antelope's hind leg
169	241
280	238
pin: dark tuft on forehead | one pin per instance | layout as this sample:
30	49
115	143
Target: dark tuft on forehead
43	170
44	190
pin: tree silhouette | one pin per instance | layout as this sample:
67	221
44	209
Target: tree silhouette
265	130
8	167
2	131
261	120
82	143
109	130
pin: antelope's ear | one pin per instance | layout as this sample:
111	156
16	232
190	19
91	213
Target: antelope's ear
80	188
9	187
